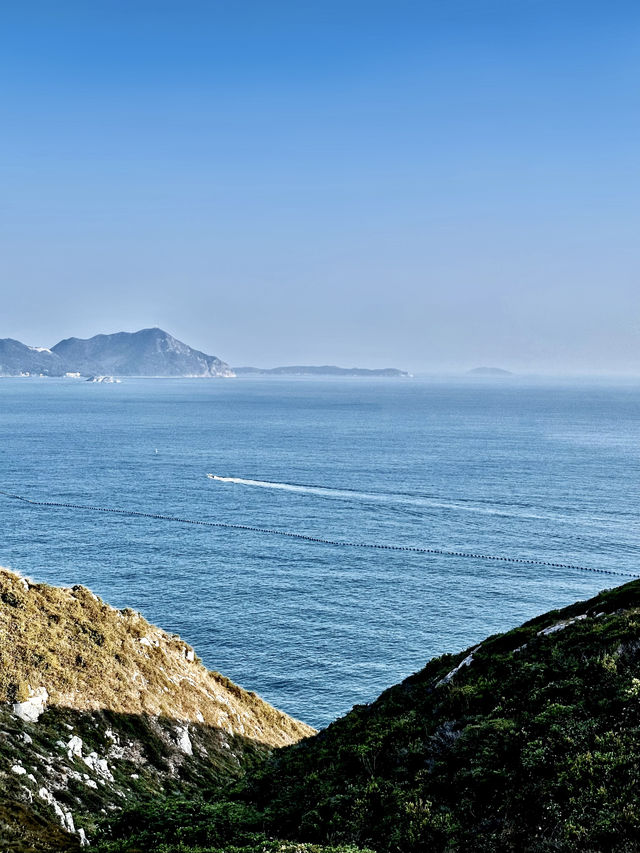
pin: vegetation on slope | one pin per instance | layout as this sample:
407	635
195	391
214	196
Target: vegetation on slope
90	656
130	715
529	742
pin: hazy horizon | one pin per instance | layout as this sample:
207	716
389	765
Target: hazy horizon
423	185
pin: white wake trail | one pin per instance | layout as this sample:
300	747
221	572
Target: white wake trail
291	487
394	500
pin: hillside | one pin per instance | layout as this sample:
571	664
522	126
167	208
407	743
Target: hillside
18	359
149	352
529	742
111	729
98	708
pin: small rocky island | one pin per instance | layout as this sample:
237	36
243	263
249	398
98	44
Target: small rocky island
489	371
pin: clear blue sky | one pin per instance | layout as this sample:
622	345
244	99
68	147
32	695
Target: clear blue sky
430	185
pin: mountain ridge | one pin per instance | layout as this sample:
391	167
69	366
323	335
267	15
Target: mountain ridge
147	352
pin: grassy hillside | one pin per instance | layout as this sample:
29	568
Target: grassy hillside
124	713
529	742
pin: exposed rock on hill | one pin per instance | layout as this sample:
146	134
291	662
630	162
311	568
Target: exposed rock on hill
149	352
99	708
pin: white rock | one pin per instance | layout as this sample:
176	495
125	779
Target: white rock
559	626
91	784
74	747
27	738
98	765
466	662
33	707
18	770
84	842
63	817
190	654
199	717
183	740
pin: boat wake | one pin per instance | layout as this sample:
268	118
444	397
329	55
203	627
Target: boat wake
416	504
323	491
305	537
392	500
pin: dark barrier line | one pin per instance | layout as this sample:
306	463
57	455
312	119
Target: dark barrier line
302	536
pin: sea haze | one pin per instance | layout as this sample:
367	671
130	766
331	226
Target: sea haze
523	470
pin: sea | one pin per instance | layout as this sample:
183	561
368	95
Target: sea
535	470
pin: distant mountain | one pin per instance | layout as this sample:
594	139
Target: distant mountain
149	352
489	371
17	359
324	370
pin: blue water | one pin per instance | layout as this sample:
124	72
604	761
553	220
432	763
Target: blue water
528	470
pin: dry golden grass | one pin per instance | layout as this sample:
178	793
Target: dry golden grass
90	656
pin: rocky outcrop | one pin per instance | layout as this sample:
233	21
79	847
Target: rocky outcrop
32	707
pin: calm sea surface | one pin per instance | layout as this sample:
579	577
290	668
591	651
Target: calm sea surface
526	470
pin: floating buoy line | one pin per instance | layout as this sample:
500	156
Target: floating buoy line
339	543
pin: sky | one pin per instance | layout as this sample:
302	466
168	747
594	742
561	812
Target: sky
429	185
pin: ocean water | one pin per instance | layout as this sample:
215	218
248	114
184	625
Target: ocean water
541	471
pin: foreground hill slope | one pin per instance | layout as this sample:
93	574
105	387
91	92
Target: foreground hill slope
527	743
149	352
99	708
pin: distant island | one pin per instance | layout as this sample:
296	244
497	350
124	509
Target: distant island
149	352
323	370
489	371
